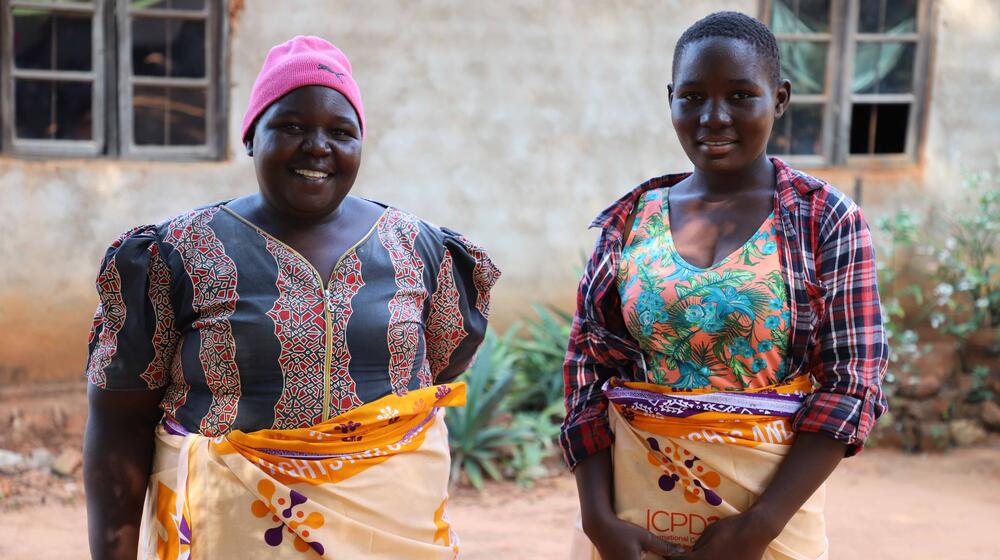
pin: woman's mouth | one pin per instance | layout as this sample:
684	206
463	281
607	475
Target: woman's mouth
717	146
312	174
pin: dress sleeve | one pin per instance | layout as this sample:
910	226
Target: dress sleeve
851	354
133	338
459	306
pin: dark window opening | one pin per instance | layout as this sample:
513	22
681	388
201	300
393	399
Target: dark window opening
879	128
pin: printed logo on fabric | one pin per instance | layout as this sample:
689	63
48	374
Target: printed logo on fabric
340	75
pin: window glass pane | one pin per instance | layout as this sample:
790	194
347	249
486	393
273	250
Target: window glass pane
168	47
53	110
900	16
149	53
169	116
869	16
149	106
46	41
815	14
804	64
807	129
799	131
890	17
167	4
884	67
804	16
187	48
187	117
879	128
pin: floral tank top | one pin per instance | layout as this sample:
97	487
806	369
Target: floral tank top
724	327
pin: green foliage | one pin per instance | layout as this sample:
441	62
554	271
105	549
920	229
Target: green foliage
942	270
969	274
479	436
538	360
510	424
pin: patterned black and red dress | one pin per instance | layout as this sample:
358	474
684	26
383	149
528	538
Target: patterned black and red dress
244	333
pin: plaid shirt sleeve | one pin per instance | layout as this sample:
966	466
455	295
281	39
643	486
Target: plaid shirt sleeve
589	363
851	353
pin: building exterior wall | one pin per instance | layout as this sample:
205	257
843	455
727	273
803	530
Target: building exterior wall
513	122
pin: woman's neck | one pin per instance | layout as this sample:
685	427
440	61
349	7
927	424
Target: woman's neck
757	177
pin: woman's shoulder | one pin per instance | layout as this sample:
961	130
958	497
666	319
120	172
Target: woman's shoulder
829	211
619	211
170	229
426	231
439	244
820	198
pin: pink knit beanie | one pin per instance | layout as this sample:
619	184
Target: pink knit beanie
302	61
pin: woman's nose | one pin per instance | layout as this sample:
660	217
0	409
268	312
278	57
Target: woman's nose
316	144
715	115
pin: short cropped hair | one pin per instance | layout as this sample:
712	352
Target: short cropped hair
734	25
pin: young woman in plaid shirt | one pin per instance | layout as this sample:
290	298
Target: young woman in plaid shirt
728	331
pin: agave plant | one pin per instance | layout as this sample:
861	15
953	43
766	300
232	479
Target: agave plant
538	362
480	435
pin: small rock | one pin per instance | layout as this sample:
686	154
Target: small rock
67	462
990	415
887	435
966	432
934	436
40	458
10	462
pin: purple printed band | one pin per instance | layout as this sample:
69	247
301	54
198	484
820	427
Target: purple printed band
683	406
173	427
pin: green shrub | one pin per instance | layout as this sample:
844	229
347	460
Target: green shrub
480	434
538	361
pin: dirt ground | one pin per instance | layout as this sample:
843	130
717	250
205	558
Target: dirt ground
882	504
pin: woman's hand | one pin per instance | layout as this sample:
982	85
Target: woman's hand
741	537
617	539
746	535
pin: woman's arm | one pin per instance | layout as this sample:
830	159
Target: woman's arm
811	459
117	458
613	537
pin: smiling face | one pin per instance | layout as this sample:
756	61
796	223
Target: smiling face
723	103
307	150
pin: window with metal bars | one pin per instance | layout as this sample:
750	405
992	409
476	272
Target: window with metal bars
106	78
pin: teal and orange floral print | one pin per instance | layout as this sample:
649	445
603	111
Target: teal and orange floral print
724	327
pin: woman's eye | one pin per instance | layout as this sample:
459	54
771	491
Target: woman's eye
742	95
691	96
291	127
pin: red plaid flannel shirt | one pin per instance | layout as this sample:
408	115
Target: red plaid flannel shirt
836	319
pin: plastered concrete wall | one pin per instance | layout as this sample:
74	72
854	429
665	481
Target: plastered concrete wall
513	122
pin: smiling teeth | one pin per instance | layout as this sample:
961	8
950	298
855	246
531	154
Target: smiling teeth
312	174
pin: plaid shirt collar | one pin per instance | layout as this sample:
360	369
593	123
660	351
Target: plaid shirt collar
792	186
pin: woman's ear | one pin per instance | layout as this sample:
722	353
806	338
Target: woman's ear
670	93
781	98
249	146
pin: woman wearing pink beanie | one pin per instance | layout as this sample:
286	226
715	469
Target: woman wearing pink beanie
292	350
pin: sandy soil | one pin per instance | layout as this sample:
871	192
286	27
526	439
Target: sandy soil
882	504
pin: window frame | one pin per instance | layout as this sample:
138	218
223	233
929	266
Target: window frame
839	73
210	82
33	147
111	74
